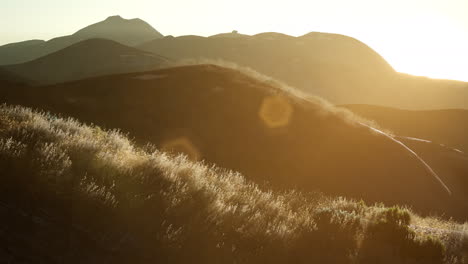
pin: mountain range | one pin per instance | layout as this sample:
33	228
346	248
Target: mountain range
128	32
338	68
202	110
120	145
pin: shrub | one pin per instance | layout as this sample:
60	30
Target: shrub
389	239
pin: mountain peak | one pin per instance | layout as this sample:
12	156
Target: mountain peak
126	31
116	17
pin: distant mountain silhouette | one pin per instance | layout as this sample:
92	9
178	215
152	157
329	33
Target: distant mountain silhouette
336	67
22	51
233	34
85	59
259	129
125	31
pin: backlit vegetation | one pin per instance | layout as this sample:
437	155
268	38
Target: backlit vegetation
140	205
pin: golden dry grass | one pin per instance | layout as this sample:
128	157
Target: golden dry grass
151	206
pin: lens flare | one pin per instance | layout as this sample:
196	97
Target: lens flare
182	145
275	111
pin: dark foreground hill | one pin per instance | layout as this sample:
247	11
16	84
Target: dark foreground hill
7	76
77	194
338	68
92	57
450	164
448	126
438	136
125	31
272	135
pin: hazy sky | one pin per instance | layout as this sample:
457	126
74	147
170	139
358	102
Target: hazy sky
422	37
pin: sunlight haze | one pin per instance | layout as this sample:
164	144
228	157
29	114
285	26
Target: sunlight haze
220	132
427	38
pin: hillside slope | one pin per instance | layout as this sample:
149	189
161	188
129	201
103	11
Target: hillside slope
8	76
270	134
447	126
338	68
92	57
77	194
450	164
125	31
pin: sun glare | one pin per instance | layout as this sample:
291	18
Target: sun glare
426	46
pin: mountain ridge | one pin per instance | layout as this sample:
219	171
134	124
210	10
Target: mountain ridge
110	28
341	69
126	31
91	57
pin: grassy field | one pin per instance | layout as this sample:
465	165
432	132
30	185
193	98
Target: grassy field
95	197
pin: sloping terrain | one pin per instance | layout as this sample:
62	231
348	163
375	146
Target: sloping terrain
92	57
447	126
438	136
450	164
271	134
77	194
23	51
8	76
125	31
338	68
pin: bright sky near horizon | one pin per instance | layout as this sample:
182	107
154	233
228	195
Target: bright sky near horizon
420	37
